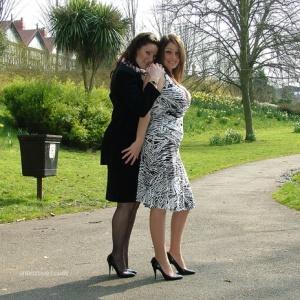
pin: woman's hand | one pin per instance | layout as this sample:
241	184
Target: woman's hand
132	153
155	72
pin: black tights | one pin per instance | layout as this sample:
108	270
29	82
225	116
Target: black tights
122	224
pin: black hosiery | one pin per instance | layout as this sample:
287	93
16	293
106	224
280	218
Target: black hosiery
122	223
129	230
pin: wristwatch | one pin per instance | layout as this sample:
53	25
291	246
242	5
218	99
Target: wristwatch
153	82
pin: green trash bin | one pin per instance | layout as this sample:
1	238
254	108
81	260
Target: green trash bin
39	156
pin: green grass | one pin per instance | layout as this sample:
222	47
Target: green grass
80	182
289	193
78	186
201	159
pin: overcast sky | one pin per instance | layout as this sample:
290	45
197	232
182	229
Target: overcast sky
31	12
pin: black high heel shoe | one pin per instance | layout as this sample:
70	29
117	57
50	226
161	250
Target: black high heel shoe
122	274
180	270
156	266
132	271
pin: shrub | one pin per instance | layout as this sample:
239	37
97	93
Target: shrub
223	105
230	137
297	127
224	120
59	108
237	122
210	119
216	140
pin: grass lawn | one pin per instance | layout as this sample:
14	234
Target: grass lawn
80	182
201	159
289	193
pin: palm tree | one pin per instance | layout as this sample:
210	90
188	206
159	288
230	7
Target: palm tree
94	31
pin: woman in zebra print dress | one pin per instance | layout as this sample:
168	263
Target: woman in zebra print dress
162	183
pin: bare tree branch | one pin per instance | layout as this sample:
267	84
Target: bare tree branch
6	8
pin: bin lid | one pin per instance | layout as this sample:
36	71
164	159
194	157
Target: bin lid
40	137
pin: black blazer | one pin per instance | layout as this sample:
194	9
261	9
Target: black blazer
130	102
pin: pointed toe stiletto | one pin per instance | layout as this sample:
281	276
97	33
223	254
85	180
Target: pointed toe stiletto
132	271
179	269
156	266
121	274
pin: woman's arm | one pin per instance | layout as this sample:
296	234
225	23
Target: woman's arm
131	153
131	96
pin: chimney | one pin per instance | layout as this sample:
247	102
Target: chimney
19	24
37	26
42	32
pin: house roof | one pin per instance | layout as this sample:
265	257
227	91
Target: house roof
27	35
49	43
15	26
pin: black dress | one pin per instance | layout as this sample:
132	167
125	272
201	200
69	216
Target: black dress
130	102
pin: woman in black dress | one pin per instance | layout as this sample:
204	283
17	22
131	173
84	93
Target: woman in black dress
131	100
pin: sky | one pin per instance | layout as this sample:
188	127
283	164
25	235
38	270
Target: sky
31	11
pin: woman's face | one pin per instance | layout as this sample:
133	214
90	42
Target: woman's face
145	55
171	57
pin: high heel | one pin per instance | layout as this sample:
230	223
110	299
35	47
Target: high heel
156	266
179	269
122	274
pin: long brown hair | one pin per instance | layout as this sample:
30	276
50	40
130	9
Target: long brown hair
164	41
138	42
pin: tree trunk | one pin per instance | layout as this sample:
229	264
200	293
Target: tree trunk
250	136
84	76
245	69
92	78
251	91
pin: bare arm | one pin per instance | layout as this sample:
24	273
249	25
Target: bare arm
131	154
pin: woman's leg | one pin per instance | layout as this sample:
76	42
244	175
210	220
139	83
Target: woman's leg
129	230
121	223
157	230
177	225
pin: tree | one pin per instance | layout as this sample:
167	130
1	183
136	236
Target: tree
6	8
239	37
3	42
92	30
262	90
131	9
163	19
287	94
189	39
164	22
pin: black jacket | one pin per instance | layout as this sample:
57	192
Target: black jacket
130	102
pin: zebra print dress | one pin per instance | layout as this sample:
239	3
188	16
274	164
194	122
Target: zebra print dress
162	181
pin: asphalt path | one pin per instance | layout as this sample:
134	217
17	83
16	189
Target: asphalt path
241	243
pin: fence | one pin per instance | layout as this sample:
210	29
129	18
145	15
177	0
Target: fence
18	56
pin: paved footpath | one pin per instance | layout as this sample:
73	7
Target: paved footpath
242	244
